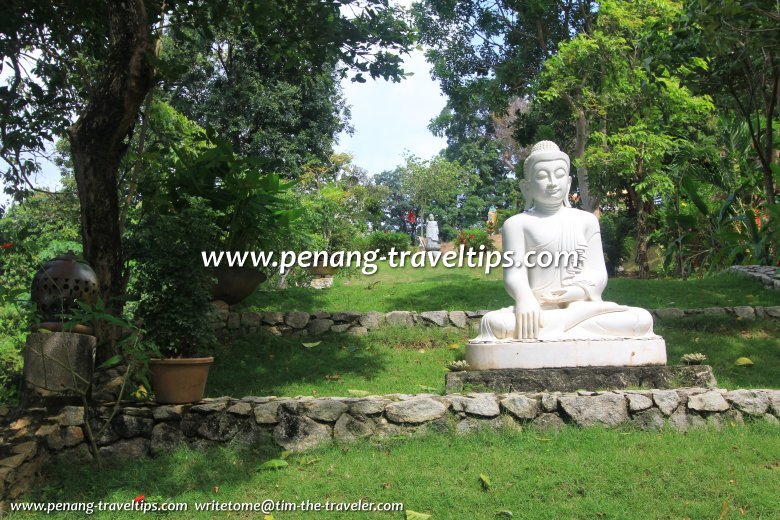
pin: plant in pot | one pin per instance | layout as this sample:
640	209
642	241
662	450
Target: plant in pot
174	290
327	224
249	202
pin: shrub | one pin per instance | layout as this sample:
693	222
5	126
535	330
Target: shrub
361	243
10	364
615	230
33	232
384	241
473	238
174	287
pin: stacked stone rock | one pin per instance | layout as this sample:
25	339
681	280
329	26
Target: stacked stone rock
767	275
301	324
305	422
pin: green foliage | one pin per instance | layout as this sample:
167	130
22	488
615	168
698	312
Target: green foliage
384	241
131	350
95	65
11	362
361	243
491	182
397	205
640	121
339	204
326	219
712	232
39	228
16	313
486	56
31	232
728	50
447	189
426	182
285	115
245	199
615	229
308	41
645	121
172	285
475	238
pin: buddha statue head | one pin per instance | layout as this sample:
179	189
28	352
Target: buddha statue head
546	177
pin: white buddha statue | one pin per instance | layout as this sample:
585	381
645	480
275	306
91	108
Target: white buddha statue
432	242
558	303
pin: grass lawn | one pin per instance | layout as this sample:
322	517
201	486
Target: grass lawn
429	289
723	340
577	473
413	360
390	360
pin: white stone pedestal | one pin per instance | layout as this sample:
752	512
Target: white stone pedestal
321	282
571	353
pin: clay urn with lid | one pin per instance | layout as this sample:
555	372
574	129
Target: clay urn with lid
57	286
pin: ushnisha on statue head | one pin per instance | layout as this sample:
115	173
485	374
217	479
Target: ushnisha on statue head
546	177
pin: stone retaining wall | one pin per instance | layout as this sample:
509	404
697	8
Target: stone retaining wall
144	429
767	275
297	323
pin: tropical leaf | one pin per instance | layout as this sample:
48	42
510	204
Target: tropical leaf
485	481
273	464
690	188
113	360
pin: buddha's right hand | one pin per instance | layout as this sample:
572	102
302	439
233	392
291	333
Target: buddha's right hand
528	319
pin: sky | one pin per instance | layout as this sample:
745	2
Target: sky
391	119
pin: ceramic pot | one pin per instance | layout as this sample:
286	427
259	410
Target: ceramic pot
179	381
56	287
235	283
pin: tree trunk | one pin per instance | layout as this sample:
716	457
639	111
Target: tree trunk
769	183
680	250
766	165
641	232
581	139
97	142
770	105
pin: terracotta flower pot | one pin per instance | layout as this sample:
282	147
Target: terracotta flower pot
179	381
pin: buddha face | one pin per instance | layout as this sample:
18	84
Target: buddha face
548	182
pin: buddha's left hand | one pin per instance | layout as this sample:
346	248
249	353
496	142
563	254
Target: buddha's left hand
564	295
